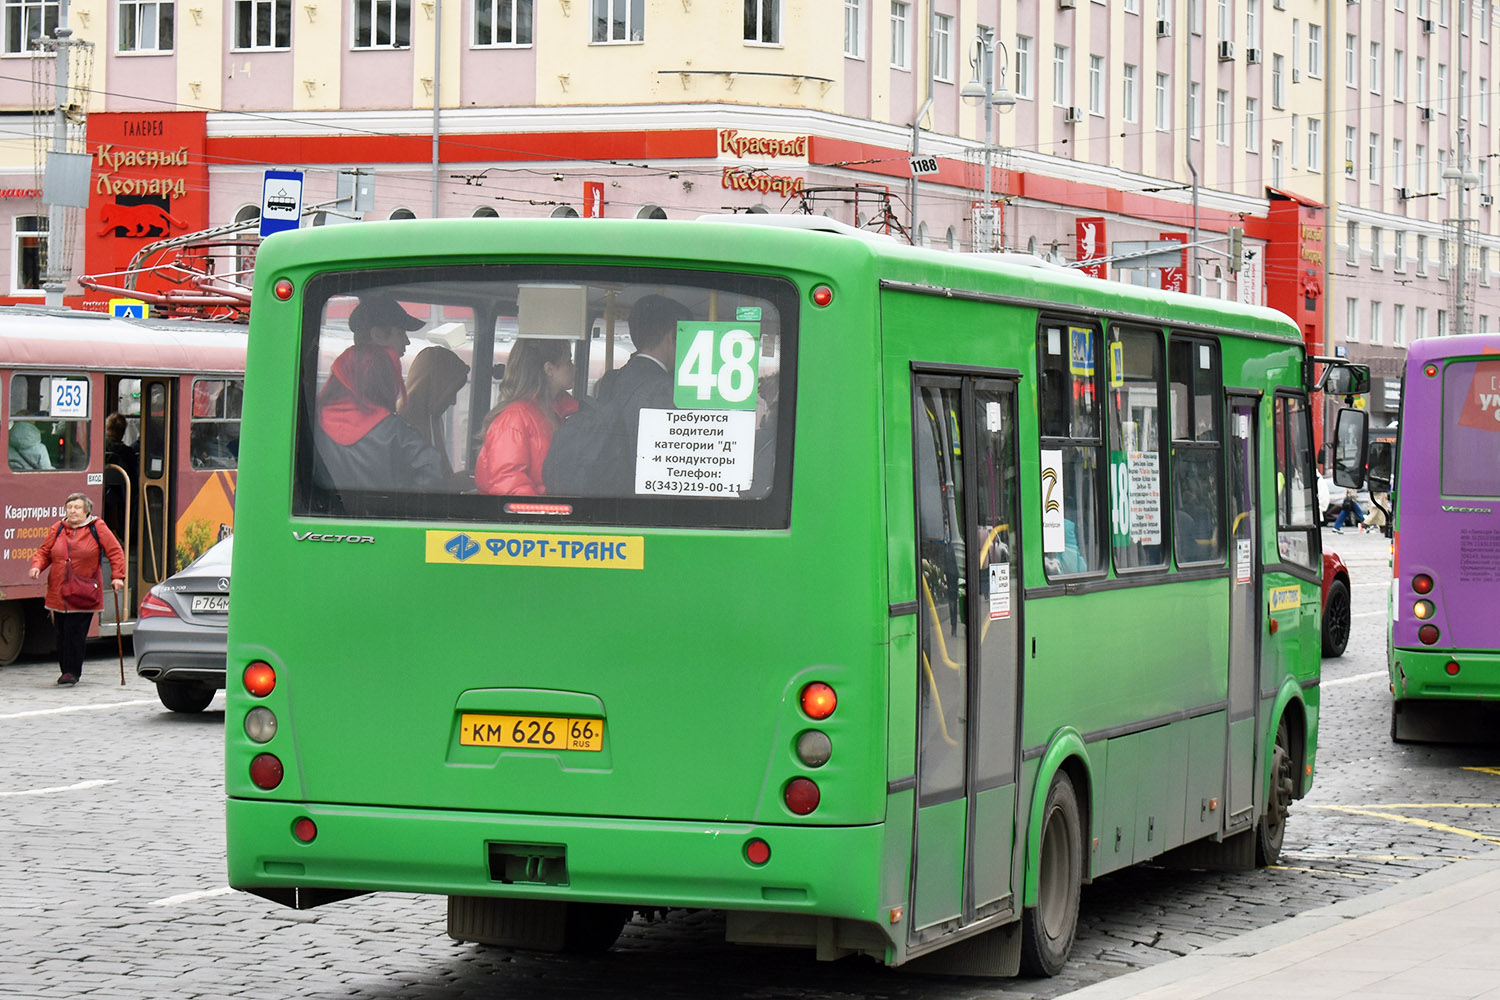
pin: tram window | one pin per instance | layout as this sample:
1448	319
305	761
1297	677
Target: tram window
214	437
1295	491
1071	449
49	422
1136	376
1197	393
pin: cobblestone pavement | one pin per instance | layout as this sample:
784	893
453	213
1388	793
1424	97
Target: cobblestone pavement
112	871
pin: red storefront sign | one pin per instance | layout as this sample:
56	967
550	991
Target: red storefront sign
1174	279
1090	244
593	199
149	182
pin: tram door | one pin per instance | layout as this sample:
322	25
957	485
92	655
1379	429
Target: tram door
969	610
137	480
153	520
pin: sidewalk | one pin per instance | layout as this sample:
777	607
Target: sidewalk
1434	937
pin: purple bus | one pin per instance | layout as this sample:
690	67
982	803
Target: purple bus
1444	634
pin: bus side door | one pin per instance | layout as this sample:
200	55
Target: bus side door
969	610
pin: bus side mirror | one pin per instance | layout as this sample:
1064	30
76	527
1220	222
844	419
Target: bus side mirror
1378	474
1346	380
1349	447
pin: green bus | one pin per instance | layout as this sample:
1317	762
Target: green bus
934	586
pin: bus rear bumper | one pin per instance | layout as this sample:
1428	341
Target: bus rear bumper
827	871
1418	673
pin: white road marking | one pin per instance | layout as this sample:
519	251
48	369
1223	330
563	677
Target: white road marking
1356	677
1371	614
188	897
80	786
79	708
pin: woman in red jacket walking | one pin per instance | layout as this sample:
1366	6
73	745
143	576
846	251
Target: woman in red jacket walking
75	588
532	402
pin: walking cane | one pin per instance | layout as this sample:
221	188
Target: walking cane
119	643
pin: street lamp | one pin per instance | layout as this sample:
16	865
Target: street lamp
1458	174
978	89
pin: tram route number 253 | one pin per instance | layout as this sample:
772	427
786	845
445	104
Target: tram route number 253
69	398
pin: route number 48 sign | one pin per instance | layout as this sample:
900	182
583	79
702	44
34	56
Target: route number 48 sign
717	365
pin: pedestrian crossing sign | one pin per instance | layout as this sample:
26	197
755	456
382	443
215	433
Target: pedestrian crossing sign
129	308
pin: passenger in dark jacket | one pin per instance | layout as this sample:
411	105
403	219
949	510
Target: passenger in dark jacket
361	441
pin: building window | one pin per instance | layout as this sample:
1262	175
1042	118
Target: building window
1252	23
28	252
1315	50
1377	248
1484	100
382	24
1130	108
1442	323
1252	125
942	47
900	35
1223	23
1351	61
1376	336
1221	117
1314	144
1351	320
1398	324
1194	114
1061	90
1421	255
1351	242
1278	84
1374	157
1442	262
1096	85
1375	67
619	21
262	24
1023	66
1163	103
763	22
146	25
1398	251
1398	75
27	22
502	22
1398	163
854	29
1276	163
1296	133
1421	80
1351	141
1419	323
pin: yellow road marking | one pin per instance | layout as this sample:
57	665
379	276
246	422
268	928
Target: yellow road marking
1484	770
1413	805
1325	871
1427	824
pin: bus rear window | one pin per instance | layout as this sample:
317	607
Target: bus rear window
586	395
1471	429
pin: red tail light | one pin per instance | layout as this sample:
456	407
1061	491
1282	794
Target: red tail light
1428	634
1422	583
154	607
757	851
1452	667
801	796
305	830
266	771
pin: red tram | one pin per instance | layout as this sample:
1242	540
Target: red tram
143	416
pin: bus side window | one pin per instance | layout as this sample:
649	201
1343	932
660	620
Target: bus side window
1296	497
1072	447
1135	382
1197	393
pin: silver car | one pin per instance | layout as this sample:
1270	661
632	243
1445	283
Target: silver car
182	635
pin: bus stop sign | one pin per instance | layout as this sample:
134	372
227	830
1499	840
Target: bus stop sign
281	201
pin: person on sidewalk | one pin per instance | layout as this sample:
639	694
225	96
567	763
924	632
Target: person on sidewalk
75	587
1352	511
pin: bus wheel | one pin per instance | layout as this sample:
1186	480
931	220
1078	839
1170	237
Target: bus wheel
12	631
592	928
184	696
1336	619
1048	929
1272	828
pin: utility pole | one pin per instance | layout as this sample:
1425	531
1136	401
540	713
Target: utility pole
1458	173
978	89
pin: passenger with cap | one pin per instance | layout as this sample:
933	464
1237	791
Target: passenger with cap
379	319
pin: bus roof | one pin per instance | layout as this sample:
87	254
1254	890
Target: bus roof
35	337
1446	347
766	242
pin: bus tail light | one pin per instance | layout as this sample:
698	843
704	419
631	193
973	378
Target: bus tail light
260	724
1422	583
814	748
305	830
822	295
1428	634
260	679
266	771
818	700
154	607
283	289
801	795
757	851
1451	667
1423	609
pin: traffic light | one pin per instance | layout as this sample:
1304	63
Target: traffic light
1236	248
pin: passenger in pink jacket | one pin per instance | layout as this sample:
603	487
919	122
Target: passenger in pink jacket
75	587
533	401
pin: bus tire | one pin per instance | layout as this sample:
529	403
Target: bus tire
184	696
1049	927
12	631
1336	619
593	928
1271	830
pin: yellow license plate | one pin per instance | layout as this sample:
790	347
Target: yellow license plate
532	732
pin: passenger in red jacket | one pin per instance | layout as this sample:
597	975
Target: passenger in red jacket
75	588
533	401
